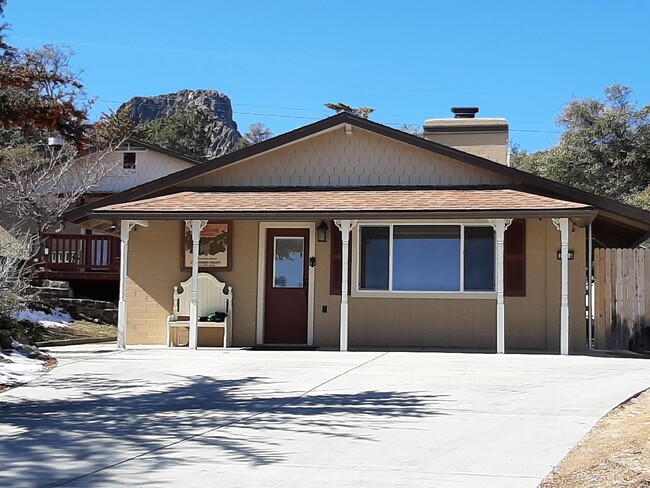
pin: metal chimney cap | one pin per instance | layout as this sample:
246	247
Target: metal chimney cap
464	112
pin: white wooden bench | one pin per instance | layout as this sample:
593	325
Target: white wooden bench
211	298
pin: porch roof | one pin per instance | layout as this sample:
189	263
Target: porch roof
370	202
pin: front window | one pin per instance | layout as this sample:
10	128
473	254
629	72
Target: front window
374	258
426	258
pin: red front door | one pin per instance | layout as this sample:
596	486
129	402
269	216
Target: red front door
287	286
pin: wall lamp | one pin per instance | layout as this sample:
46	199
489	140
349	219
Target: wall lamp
321	232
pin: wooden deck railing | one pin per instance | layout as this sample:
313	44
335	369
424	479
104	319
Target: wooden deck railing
81	252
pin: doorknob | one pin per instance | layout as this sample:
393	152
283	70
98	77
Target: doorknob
312	261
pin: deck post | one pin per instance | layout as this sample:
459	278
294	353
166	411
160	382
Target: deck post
195	226
345	227
500	226
563	226
125	230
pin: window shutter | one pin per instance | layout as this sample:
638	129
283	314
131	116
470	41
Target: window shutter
336	259
515	259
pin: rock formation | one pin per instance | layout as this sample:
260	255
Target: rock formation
222	130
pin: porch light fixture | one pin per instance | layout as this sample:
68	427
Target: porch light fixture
321	232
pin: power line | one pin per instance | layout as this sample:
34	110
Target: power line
302	117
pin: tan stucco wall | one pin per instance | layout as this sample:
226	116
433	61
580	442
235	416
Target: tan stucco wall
532	322
490	145
326	325
155	268
422	322
337	159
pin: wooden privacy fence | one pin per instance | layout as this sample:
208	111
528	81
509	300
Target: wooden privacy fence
621	307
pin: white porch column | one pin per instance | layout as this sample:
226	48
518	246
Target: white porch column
345	226
125	229
500	226
563	226
196	226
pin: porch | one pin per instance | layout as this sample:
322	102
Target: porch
355	315
80	257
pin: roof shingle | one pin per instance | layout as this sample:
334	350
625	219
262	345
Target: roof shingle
331	201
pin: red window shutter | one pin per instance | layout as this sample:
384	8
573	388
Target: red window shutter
336	258
515	259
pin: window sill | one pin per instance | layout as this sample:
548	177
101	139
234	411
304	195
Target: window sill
450	295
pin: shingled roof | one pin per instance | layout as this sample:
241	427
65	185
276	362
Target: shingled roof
625	225
363	201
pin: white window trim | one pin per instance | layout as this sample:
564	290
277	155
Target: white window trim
357	292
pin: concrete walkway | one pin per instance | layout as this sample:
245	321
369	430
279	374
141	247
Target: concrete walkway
156	417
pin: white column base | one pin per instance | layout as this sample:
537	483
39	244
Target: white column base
344	327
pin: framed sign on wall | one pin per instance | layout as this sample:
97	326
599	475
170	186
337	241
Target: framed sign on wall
214	246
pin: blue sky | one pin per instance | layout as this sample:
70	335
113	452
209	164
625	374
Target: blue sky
410	60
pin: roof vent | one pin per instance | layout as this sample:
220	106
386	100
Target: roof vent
464	112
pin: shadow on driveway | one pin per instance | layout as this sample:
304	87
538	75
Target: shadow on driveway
110	422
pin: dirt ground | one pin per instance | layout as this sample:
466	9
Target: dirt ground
82	329
615	453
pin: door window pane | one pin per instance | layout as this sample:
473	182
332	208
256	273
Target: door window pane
288	265
479	259
426	258
374	258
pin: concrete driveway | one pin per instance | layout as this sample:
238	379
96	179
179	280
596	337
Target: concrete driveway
152	417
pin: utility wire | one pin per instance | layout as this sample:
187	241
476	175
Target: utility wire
302	117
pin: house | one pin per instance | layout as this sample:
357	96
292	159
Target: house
77	253
348	233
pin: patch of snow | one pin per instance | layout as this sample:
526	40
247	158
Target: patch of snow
48	324
58	319
17	369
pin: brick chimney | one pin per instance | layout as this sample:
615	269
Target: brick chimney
487	138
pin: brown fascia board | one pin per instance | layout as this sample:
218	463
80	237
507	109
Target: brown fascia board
528	179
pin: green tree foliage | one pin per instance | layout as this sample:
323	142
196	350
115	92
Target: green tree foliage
40	93
257	132
41	96
183	132
414	130
363	112
605	148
